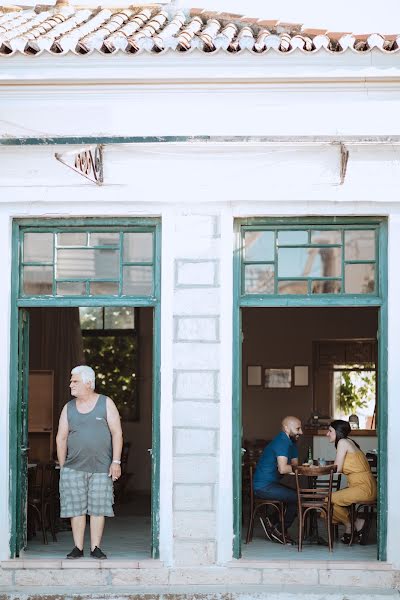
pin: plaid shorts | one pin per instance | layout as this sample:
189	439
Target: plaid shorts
83	493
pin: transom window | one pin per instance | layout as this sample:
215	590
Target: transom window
89	262
309	260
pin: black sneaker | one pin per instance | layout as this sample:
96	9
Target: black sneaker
75	553
97	553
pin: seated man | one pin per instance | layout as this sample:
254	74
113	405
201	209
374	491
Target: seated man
277	460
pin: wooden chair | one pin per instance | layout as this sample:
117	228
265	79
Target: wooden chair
312	498
336	484
256	504
42	499
368	509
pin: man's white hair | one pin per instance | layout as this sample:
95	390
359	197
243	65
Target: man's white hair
87	374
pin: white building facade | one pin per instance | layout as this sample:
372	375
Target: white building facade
200	141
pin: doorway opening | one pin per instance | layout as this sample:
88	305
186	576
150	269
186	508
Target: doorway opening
117	342
316	363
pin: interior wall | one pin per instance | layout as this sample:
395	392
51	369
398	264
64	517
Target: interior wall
283	337
139	433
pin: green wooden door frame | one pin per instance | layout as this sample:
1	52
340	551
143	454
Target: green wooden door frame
380	301
18	304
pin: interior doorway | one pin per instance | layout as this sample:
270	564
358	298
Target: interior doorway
117	342
316	363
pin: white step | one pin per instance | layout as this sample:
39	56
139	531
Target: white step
260	592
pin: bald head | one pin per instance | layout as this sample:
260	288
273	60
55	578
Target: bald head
292	427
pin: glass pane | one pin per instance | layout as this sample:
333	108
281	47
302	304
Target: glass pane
138	281
326	287
292	287
326	237
292	238
259	246
359	245
104	288
38	280
91	317
360	279
88	264
104	239
259	279
119	317
72	239
71	288
138	247
309	262
38	247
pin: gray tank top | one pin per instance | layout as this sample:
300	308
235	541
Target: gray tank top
89	438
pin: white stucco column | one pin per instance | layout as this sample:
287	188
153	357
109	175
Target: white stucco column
393	458
5	309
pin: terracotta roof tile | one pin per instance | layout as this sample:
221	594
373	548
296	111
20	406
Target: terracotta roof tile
62	28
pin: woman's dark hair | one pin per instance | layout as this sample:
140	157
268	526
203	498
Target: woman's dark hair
342	429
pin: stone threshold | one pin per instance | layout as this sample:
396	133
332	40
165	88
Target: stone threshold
90	563
81	563
374	565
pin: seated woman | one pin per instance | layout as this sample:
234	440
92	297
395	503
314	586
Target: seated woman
351	461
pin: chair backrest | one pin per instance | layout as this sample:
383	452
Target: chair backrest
49	480
321	482
308	492
373	463
35	478
250	467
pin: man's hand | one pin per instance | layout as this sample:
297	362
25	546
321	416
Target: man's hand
115	471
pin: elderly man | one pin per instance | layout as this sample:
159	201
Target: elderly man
278	458
89	446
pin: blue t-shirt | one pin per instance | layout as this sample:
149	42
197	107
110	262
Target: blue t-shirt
267	467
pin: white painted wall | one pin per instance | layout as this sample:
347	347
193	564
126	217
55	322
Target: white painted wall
198	189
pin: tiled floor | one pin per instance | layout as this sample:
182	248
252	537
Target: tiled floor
125	536
262	549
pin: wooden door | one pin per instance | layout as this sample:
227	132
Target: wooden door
22	432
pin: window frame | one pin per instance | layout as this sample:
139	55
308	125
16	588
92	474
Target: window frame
309	227
89	227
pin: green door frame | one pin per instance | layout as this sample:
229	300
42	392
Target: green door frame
379	301
17	304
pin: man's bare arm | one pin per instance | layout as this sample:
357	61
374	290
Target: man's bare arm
114	423
62	437
283	466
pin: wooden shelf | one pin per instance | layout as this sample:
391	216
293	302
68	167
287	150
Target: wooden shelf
40	415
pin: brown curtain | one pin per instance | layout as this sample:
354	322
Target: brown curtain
56	344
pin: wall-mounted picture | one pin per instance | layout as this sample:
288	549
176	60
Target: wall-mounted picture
254	375
301	375
278	378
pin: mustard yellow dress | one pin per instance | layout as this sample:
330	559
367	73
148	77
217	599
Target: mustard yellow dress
361	486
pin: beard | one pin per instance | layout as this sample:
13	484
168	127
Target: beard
294	437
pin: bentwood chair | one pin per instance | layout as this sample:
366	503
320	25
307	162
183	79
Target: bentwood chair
258	504
367	509
42	499
312	498
320	482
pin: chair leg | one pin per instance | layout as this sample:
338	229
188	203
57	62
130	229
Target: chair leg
52	520
301	532
282	520
250	527
352	522
329	527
